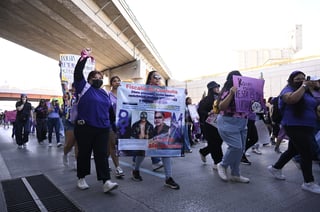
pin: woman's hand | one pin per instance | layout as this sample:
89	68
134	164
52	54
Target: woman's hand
233	90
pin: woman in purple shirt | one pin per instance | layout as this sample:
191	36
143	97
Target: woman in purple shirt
94	121
299	121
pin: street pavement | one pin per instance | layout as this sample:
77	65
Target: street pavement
201	188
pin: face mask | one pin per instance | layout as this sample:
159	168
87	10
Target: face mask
298	84
97	83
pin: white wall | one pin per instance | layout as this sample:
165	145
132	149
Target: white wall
275	78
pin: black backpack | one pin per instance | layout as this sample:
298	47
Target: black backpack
276	115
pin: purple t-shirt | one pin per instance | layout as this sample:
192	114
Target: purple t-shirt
308	116
93	106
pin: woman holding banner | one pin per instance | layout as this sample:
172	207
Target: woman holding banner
232	127
114	83
155	79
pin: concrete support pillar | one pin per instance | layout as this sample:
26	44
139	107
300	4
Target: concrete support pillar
135	71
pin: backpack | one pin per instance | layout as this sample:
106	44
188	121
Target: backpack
276	115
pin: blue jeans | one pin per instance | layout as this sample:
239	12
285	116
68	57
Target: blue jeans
154	160
166	165
186	141
233	131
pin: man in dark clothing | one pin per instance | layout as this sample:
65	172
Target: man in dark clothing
210	132
23	119
142	129
41	112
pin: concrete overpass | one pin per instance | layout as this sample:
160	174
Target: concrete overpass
52	27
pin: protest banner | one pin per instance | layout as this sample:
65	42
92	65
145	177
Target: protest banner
249	95
10	116
67	65
193	112
150	120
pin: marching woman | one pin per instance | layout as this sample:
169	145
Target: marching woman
94	121
232	127
299	120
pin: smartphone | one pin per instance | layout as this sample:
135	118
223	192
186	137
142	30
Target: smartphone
308	78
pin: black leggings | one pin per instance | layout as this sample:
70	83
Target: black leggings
214	140
301	140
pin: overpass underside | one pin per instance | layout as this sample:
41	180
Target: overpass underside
31	97
53	27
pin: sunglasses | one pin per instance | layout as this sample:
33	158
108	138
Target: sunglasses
156	77
158	117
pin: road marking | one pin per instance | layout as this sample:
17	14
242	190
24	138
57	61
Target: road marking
147	171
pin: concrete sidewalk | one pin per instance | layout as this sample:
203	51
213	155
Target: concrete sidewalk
201	188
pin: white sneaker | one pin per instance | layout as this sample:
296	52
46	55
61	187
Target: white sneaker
157	166
82	184
312	187
239	179
65	159
50	144
257	151
277	173
222	172
109	186
20	146
119	172
24	145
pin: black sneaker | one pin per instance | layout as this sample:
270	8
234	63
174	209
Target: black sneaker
170	183
244	160
136	175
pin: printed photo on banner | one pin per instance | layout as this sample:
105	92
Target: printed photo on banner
249	96
67	64
150	120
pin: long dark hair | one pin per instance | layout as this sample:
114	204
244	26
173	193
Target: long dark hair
112	78
229	82
187	99
150	76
